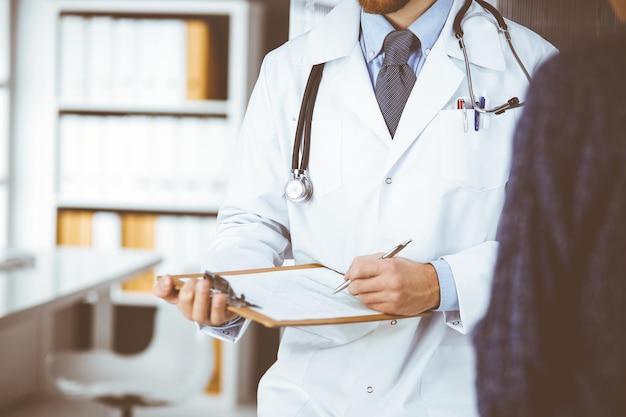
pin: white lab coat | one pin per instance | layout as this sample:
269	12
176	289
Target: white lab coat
433	183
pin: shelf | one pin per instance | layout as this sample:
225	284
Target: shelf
109	162
208	108
153	7
184	208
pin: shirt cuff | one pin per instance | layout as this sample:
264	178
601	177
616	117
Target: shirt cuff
449	299
229	332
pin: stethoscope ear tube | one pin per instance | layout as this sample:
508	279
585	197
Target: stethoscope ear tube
458	19
458	29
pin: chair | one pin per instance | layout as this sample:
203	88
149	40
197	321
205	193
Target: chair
176	365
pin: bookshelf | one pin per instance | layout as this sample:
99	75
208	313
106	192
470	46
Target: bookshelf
5	90
150	95
148	99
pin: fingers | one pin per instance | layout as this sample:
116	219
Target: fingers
403	287
201	302
363	267
164	288
197	303
219	314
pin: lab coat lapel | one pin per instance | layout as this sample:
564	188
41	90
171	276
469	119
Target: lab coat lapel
336	41
438	80
335	36
442	73
352	86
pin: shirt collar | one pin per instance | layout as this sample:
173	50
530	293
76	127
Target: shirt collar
427	28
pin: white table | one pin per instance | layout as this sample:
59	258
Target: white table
30	296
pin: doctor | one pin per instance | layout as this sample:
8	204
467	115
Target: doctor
438	180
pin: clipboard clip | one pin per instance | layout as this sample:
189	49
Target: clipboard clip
219	285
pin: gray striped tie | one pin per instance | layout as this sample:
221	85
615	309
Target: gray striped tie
395	79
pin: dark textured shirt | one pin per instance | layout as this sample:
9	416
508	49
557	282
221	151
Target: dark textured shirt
553	342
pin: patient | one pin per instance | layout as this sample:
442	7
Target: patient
553	342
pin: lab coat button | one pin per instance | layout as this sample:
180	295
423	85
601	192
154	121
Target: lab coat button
426	51
370	390
225	332
456	322
394	322
388	180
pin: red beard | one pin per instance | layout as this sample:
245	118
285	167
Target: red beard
382	6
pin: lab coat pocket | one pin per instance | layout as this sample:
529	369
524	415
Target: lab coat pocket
478	160
448	382
325	157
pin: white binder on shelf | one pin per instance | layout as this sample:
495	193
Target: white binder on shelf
183	242
72	56
148	60
170	61
166	243
125	60
164	166
191	170
112	176
99	59
90	145
107	231
117	145
140	167
71	180
213	148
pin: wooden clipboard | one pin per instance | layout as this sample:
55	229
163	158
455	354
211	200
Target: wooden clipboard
267	321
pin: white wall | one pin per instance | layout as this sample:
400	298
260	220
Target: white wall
32	205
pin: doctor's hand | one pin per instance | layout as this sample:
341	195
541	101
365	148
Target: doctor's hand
194	300
394	285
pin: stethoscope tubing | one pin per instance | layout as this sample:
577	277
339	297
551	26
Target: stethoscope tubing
302	141
303	130
502	27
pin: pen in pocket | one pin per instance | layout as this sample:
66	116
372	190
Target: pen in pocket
460	104
484	120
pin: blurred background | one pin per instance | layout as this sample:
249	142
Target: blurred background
116	125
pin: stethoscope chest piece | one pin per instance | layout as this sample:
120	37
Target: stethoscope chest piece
298	188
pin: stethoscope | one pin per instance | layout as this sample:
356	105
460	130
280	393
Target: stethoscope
503	28
299	188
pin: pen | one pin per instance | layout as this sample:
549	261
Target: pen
476	116
484	104
460	104
392	252
480	105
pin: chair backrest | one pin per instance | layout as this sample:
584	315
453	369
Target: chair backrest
179	350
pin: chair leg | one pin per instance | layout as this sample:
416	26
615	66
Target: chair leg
127	410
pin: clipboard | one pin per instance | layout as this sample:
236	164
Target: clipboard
310	281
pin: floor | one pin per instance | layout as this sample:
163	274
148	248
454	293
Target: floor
196	407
